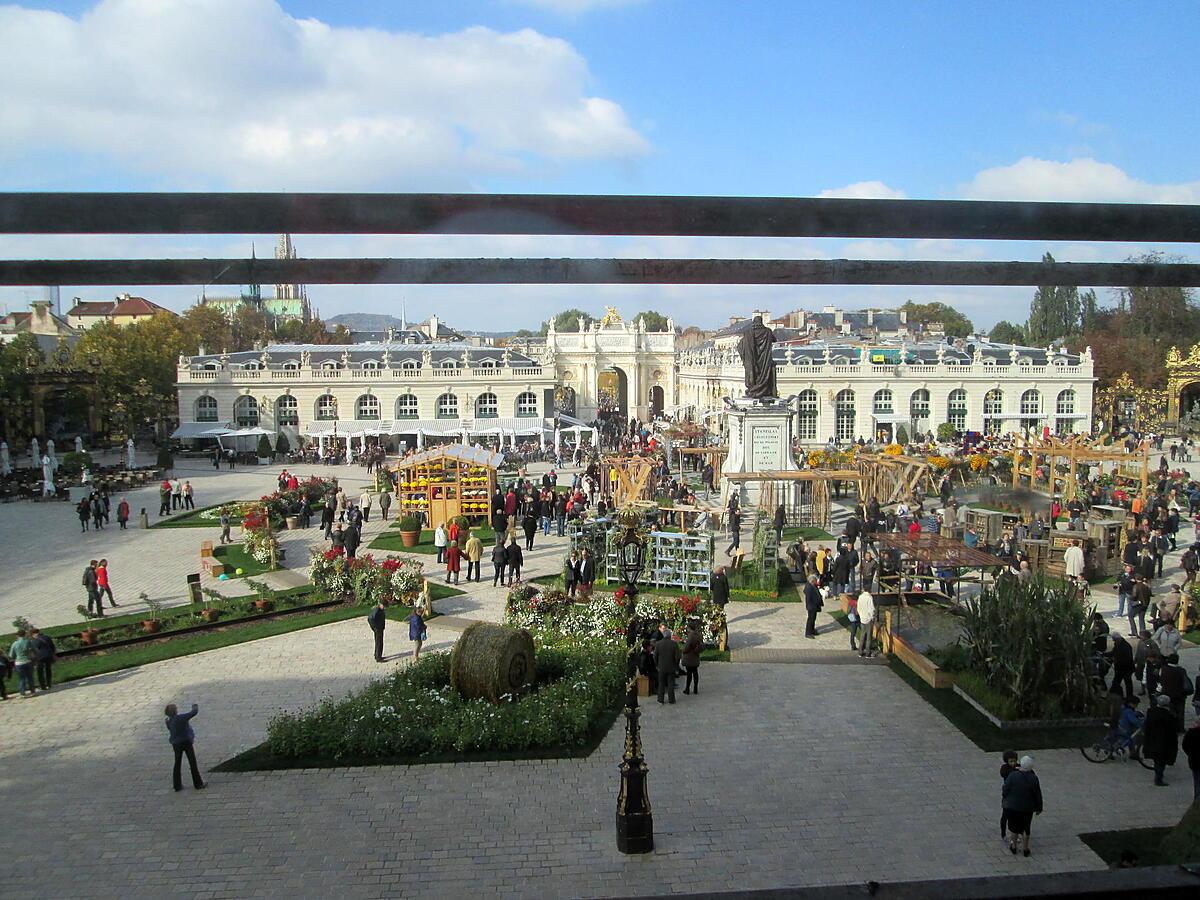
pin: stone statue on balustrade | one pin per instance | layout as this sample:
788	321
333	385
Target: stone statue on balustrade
755	347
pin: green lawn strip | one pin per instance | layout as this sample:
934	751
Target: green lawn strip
982	732
808	533
388	541
714	655
1145	843
260	758
102	661
234	557
191	518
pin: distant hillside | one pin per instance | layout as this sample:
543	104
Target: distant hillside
364	321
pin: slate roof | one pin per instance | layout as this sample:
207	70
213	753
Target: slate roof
280	354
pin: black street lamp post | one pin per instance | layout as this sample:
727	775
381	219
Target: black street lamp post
635	822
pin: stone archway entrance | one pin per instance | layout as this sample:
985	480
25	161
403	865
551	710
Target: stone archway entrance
1189	402
656	400
612	392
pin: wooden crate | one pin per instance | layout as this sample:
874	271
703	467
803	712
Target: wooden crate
206	549
988	524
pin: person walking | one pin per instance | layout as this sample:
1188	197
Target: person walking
377	619
103	585
350	540
529	525
440	541
1173	683
84	511
474	554
735	531
813	603
22	653
570	573
416	632
1160	741
1022	798
189	496
1191	748
385	503
182	738
328	514
666	661
46	654
92	585
226	522
365	502
499	560
176	493
1122	656
453	561
123	514
689	658
1008	765
97	512
513	558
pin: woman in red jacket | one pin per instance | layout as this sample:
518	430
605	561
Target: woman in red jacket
453	561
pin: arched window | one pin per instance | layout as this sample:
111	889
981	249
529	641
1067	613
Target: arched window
370	364
487	364
448	364
206	409
287	411
844	413
291	366
993	408
366	407
807	410
447	406
211	367
252	366
883	401
406	407
956	409
527	406
245	412
331	364
1031	409
410	364
918	405
1065	408
487	406
327	410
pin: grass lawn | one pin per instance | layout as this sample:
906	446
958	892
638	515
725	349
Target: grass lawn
191	518
101	661
714	655
1143	842
390	540
234	557
808	533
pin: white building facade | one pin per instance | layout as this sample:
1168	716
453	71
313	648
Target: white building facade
846	391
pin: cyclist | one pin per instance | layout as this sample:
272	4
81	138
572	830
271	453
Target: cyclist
1128	725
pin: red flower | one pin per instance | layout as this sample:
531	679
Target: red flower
331	555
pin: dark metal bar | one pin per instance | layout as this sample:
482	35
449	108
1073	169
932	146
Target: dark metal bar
263	213
590	271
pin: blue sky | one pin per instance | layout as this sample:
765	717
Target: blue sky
1091	101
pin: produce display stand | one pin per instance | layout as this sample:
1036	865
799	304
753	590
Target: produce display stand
677	561
1130	468
448	481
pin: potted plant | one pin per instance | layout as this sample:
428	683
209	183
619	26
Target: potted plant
264	450
211	613
89	636
151	625
410	530
265	602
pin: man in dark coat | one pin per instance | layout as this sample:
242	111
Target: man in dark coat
1171	684
779	521
499	559
377	619
351	539
666	661
587	573
840	574
1161	741
718	586
813	603
1122	655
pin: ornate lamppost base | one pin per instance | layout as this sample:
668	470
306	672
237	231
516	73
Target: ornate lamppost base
635	833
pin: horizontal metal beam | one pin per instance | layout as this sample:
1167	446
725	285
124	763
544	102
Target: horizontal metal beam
262	213
589	271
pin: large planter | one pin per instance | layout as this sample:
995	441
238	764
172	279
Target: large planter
410	538
151	626
210	615
264	605
89	636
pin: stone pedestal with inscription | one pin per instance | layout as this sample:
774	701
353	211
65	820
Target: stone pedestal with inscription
760	440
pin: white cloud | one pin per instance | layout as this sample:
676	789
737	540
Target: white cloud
213	93
865	190
575	7
1083	179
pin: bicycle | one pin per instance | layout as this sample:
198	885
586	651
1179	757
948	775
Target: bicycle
1107	748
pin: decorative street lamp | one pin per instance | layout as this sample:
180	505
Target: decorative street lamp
635	823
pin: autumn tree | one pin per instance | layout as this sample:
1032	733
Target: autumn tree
953	322
205	326
1004	332
652	320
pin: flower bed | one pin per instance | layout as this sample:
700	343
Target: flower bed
391	579
258	542
604	615
414	713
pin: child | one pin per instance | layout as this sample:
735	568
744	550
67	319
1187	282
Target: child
1007	767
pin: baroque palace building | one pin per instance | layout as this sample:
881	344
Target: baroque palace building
841	389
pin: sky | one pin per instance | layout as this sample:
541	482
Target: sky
1091	101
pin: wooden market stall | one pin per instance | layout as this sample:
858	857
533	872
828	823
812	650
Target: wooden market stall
627	477
714	455
890	479
448	481
1133	466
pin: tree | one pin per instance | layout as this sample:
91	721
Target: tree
953	322
18	358
1055	312
1159	312
1088	312
205	326
1004	332
568	320
652	320
251	327
339	335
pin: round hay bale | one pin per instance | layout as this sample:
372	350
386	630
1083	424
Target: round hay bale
491	661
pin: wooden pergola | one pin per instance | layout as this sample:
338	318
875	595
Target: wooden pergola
890	479
819	494
633	481
714	455
1074	451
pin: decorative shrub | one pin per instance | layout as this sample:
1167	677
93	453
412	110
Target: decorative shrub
257	539
416	712
409	523
946	432
901	435
264	447
368	579
282	444
166	459
72	464
1032	643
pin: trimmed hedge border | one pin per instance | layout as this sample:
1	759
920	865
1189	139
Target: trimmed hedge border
1025	724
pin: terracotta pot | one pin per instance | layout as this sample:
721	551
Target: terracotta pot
89	637
210	615
264	605
410	538
151	626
